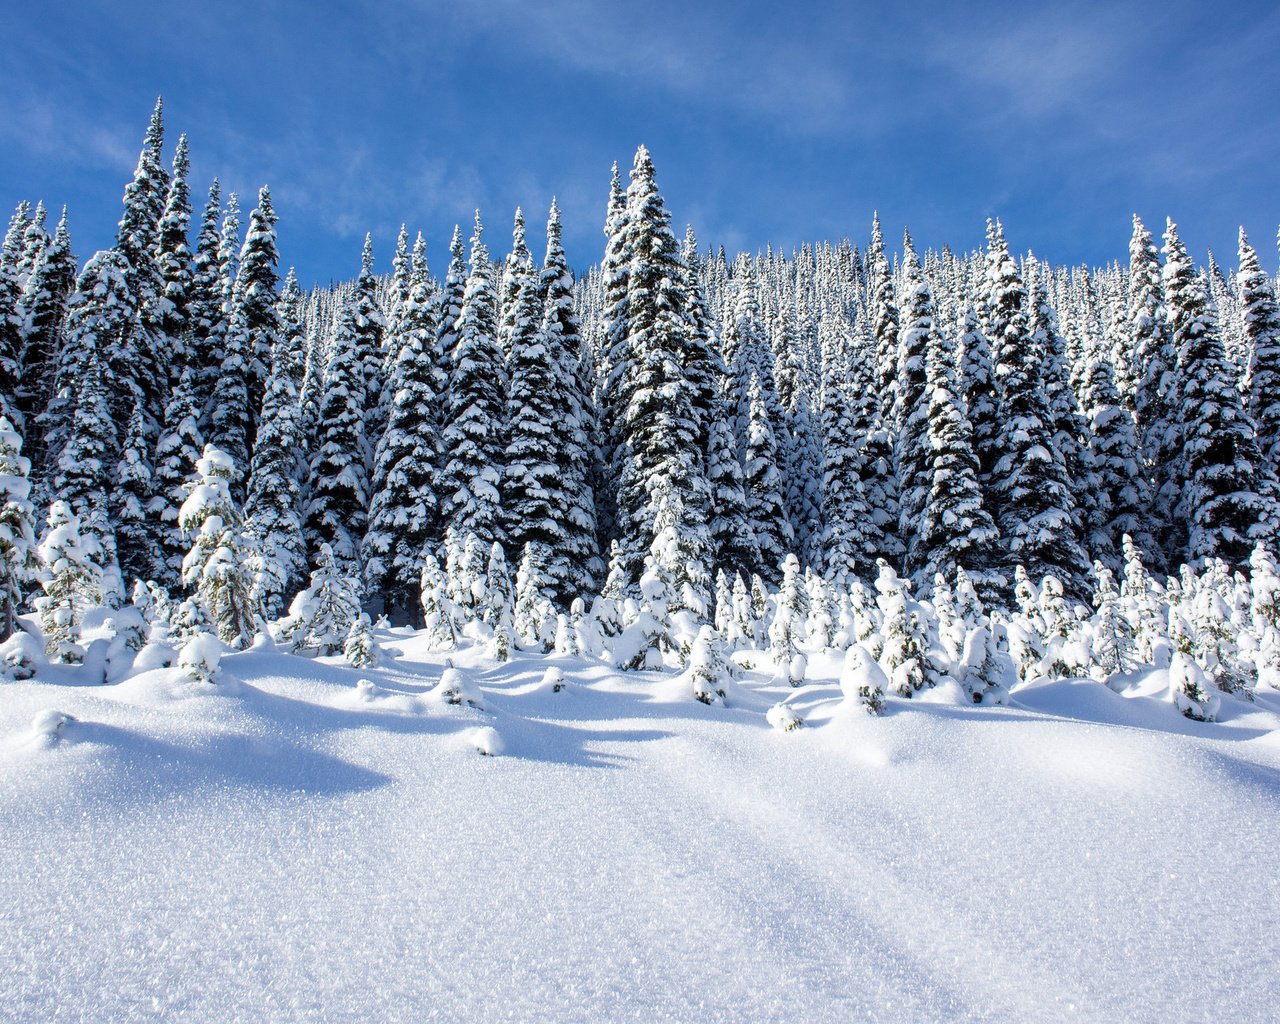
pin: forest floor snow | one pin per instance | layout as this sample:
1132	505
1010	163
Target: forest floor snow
293	845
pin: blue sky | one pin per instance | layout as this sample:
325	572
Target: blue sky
768	122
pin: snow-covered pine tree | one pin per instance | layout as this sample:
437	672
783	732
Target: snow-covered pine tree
136	546
473	432
572	428
173	261
404	516
517	272
1261	317
207	322
1032	491
1122	505
72	583
850	538
358	649
1228	497
177	450
230	423
766	516
451	298
659	429
320	617
956	532
338	506
732	539
19	560
982	401
137	361
257	283
370	326
44	307
1154	400
499	602
913	454
217	570
787	631
87	457
273	507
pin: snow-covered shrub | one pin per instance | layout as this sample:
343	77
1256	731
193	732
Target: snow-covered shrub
783	717
19	558
320	616
72	583
552	681
359	649
201	657
219	568
1192	690
455	687
903	633
862	680
21	656
709	666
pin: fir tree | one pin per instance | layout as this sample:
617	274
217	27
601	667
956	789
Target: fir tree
1032	492
1227	501
472	437
176	453
517	273
207	322
173	260
983	404
72	583
1261	315
257	281
763	485
404	516
273	507
217	570
130	499
44	306
370	326
956	531
19	560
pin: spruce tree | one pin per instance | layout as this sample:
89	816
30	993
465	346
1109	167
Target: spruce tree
19	560
573	427
517	272
404	517
176	453
44	306
72	583
370	327
336	512
207	322
957	533
257	283
763	485
473	432
1032	491
850	540
230	422
1228	498
273	508
130	499
983	404
659	429
217	569
1261	316
912	453
173	261
1154	399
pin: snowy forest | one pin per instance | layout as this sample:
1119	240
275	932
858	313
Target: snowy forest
971	467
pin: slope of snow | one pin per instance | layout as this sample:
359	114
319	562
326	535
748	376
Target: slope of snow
311	842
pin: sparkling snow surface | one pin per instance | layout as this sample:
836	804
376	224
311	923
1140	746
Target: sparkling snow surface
290	845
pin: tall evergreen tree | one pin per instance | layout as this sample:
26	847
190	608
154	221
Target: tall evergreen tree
659	428
405	517
912	453
765	511
516	273
472	437
173	262
207	322
1261	316
370	325
983	404
337	511
1228	498
44	308
19	561
176	453
257	281
130	498
1032	491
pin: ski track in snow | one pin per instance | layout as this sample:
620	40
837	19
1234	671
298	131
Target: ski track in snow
283	848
